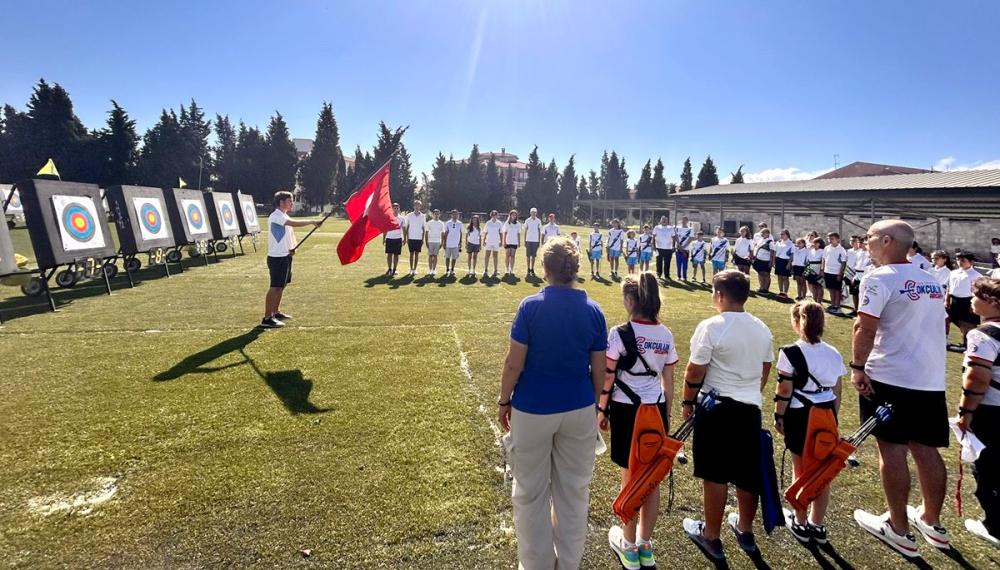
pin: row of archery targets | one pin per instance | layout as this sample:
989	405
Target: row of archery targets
70	228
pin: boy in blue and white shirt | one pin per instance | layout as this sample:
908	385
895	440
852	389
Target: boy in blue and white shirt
698	251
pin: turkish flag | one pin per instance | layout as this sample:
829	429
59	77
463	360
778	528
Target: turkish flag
370	212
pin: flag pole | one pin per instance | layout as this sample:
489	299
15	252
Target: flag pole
356	188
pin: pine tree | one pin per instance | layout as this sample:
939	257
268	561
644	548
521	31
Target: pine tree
162	159
224	169
251	153
54	131
533	193
583	193
707	176
737	177
550	189
686	176
644	187
567	190
118	148
602	192
658	184
615	178
596	189
494	186
319	168
471	195
281	160
403	183
14	161
195	159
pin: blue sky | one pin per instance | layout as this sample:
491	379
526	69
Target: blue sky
780	86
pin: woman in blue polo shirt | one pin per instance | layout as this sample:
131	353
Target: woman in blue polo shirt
551	378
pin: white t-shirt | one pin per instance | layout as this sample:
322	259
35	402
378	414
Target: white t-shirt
664	236
280	238
742	247
909	349
576	241
492	232
474	237
834	257
995	273
824	363
615	238
920	261
532	229
764	249
960	281
435	228
631	247
720	246
656	345
596	241
454	229
800	256
645	242
415	225
862	261
942	275
551	230
512	230
698	250
852	259
994	249
397	233
982	347
684	236
814	258
734	346
783	249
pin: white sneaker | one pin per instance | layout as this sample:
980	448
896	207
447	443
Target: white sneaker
880	528
936	536
977	528
627	556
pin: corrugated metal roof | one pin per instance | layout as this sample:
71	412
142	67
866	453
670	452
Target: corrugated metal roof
922	181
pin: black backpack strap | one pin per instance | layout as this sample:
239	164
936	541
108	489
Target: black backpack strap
627	335
993	332
802	375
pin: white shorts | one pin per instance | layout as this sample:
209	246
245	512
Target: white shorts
491	247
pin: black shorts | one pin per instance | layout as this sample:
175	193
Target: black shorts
815	277
854	286
472	248
761	266
918	416
960	311
833	282
796	422
726	445
510	246
394	245
531	248
622	422
798	270
280	269
740	261
781	268
414	245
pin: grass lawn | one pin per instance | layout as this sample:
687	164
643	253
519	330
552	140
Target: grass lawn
155	428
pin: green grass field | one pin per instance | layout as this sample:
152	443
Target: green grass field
156	428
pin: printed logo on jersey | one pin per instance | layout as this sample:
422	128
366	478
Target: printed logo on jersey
656	346
914	290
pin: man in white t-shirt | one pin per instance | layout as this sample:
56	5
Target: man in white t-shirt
280	249
452	242
551	229
416	222
664	236
393	240
731	353
434	234
899	359
832	266
532	237
491	242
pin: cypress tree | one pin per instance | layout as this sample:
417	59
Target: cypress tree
281	160
686	176
251	153
550	203
494	186
596	189
54	131
224	168
195	159
658	184
707	176
567	190
319	168
533	193
644	187
119	143
162	160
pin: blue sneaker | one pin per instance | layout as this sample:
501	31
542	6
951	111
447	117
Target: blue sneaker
646	558
628	556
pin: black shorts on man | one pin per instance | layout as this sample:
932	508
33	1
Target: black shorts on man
918	416
726	445
394	245
531	248
833	282
622	424
415	245
280	270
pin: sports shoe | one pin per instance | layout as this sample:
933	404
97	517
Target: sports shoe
801	532
282	316
710	548
627	555
646	558
745	539
271	323
880	528
975	527
936	536
818	532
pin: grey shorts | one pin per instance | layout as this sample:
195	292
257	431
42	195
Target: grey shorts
451	253
531	247
433	248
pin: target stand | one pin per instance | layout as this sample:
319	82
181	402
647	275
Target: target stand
223	217
189	220
140	215
68	227
247	216
12	275
10	199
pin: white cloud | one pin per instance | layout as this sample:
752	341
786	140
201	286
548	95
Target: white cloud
779	175
948	163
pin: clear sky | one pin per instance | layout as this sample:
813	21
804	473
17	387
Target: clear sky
780	86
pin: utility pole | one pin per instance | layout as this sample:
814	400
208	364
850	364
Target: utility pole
836	161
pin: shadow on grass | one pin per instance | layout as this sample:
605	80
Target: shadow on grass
957	556
197	362
291	388
818	551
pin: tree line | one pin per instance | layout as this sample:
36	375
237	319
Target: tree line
179	146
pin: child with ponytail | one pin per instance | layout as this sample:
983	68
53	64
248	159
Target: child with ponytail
809	387
649	380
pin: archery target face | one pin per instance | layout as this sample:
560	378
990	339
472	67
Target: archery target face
14	207
76	218
249	214
152	223
227	215
194	216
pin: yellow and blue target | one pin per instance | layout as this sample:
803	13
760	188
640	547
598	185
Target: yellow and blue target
150	217
15	200
195	217
227	214
78	222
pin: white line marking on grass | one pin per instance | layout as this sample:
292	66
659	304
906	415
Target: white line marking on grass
463	364
82	503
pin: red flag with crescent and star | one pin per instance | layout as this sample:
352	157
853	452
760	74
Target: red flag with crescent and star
370	212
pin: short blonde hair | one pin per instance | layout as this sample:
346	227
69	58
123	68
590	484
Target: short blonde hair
561	260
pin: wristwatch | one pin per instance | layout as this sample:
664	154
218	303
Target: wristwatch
503	404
